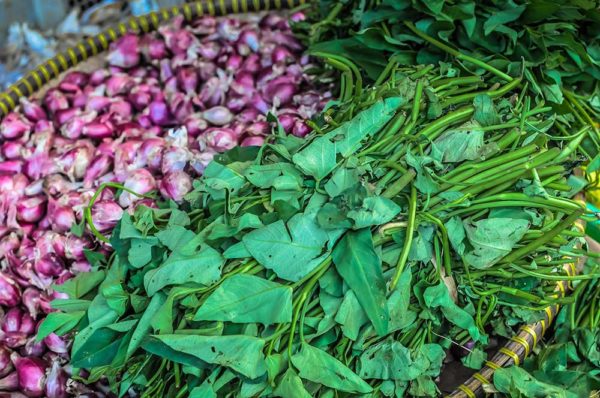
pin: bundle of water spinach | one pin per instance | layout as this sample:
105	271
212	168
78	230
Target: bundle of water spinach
423	212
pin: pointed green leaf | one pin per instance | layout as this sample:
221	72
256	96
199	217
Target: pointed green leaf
248	299
290	386
241	353
319	367
143	327
492	239
360	266
203	268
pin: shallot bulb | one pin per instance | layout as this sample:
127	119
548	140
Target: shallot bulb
106	214
219	139
139	181
31	300
5	362
175	185
218	116
31	209
32	375
14	126
126	52
32	110
10	382
56	382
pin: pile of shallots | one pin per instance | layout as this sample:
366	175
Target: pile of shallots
151	120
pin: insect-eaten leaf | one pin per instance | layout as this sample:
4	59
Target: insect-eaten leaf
464	143
492	238
240	353
202	268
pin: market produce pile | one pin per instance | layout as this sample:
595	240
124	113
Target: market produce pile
151	120
360	244
412	219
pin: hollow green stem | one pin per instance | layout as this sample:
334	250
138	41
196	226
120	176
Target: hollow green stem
533	245
397	186
492	93
410	227
456	53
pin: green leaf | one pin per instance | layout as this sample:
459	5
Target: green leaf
255	388
98	350
319	367
240	353
291	251
456	234
106	318
501	17
246	221
248	299
175	237
492	239
94	258
553	93
155	346
318	159
204	391
464	143
81	285
348	137
515	381
342	180
78	229
438	296
375	210
475	359
127	228
237	250
123	326
422	244
398	303
290	386
485	113
219	178
360	266
162	321
70	305
116	297
594	164
423	386
203	268
390	360
351	316
178	218
267	175
140	252
59	323
143	326
424	181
